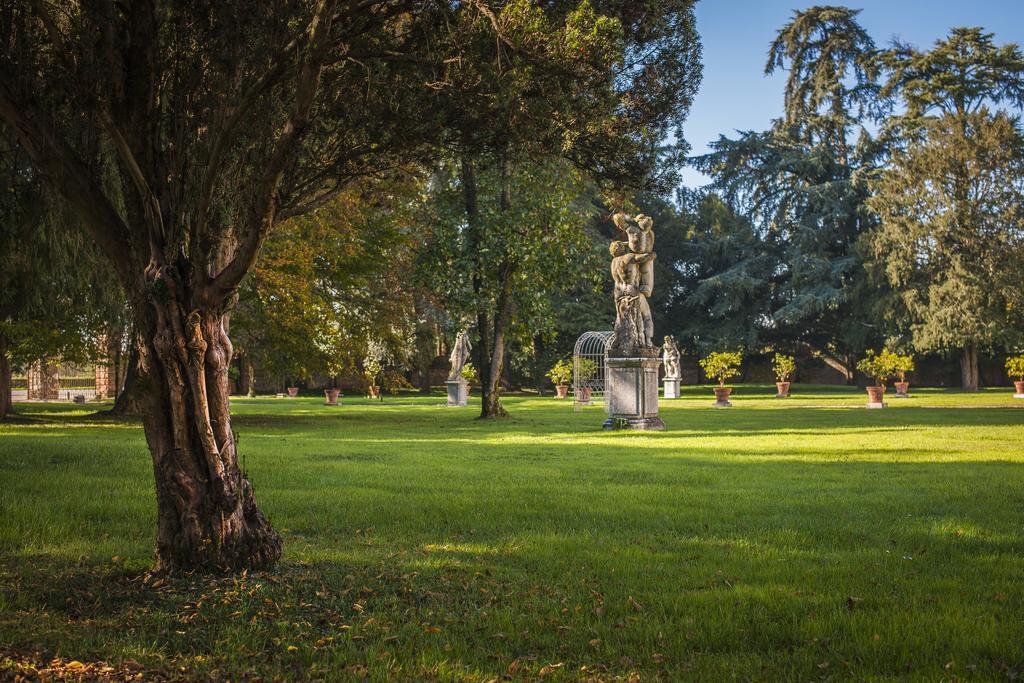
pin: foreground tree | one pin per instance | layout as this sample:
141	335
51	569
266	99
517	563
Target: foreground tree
225	119
950	200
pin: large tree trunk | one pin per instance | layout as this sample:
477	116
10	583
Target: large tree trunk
5	379
970	377
206	512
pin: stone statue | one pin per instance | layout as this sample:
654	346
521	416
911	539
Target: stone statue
633	273
459	356
670	357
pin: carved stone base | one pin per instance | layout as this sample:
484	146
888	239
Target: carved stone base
1018	395
876	405
671	387
458	392
632	385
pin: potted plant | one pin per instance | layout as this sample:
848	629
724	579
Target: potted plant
587	369
560	374
1015	368
901	366
722	366
880	367
372	367
783	366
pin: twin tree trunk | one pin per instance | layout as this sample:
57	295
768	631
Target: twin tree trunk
206	512
492	326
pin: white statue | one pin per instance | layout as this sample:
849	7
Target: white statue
670	356
459	356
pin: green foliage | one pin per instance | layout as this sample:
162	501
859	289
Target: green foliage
560	372
947	245
1015	367
587	369
722	365
469	373
902	365
800	185
881	366
783	366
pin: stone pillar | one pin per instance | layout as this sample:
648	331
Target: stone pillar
632	385
43	382
458	392
671	385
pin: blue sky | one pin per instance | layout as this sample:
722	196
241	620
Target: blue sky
735	94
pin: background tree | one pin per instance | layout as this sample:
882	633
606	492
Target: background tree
57	299
964	193
802	184
600	84
953	250
327	283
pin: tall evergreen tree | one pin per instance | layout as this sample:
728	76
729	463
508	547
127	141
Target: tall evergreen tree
802	184
949	199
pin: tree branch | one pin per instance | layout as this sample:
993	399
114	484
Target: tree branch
55	158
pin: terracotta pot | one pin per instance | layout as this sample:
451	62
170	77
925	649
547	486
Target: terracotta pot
374	391
783	388
293	392
902	387
722	394
332	396
561	390
876	394
584	395
1018	387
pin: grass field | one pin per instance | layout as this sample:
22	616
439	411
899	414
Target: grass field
802	539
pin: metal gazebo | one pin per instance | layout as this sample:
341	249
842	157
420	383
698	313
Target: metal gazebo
589	369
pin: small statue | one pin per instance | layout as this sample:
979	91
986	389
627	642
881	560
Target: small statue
670	356
459	355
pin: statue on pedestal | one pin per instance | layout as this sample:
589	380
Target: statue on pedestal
459	355
633	274
670	357
633	358
458	387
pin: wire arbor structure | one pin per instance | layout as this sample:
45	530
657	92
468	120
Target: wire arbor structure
589	369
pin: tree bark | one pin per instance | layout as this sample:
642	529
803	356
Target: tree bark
5	379
206	512
126	402
970	376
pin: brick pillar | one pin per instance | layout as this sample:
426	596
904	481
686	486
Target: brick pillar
106	368
43	382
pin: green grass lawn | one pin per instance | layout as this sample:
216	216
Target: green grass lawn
801	538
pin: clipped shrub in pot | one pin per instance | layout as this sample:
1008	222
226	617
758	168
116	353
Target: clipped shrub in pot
722	365
902	365
783	366
560	374
588	370
880	367
1015	368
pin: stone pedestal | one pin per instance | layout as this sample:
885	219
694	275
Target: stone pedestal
458	392
671	385
632	385
876	404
